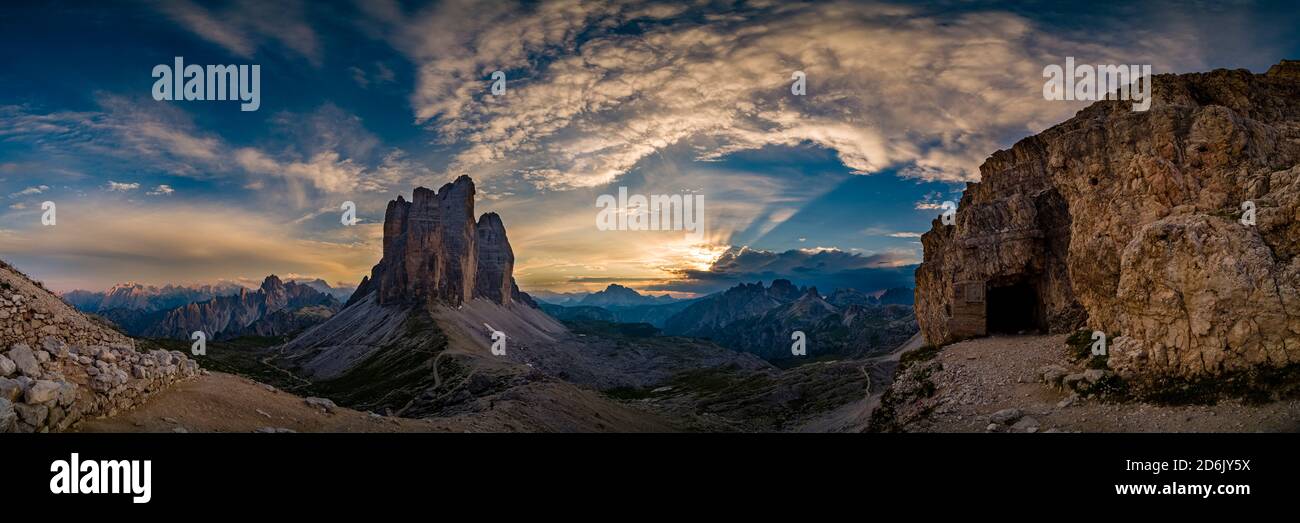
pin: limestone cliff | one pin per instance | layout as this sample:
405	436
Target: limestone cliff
1131	223
435	253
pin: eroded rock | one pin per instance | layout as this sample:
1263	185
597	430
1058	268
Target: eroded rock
1133	223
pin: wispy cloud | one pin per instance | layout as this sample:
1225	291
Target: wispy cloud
161	190
30	191
121	187
327	152
244	26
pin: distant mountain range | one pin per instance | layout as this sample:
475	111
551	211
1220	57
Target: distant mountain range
275	308
147	298
221	311
341	292
558	298
614	304
614	295
761	320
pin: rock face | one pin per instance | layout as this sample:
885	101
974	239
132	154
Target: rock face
1138	224
58	366
436	254
495	260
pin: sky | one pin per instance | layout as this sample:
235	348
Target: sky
364	101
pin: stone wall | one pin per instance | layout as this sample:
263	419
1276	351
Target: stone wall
58	366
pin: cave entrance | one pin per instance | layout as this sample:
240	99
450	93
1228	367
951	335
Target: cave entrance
1013	308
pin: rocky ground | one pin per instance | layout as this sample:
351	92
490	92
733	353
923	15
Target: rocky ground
219	402
996	384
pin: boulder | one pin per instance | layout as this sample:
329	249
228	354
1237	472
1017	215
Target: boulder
25	359
8	416
33	415
321	403
1005	416
1026	424
42	391
10	389
1095	376
1052	374
1076	382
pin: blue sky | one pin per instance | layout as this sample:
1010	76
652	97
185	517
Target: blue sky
364	101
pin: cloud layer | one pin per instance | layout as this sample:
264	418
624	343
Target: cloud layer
595	87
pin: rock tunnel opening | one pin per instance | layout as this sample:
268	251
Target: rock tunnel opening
1014	308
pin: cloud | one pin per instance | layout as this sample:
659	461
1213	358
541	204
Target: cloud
121	129
382	74
30	191
825	268
595	87
121	187
161	190
904	235
323	153
244	26
930	202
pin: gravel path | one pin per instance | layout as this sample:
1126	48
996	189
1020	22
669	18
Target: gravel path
987	375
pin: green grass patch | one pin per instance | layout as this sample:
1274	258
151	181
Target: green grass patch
909	358
1252	387
611	329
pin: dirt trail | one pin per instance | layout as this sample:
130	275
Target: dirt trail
855	416
980	377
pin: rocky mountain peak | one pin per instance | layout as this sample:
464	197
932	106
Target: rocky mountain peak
496	262
272	284
783	290
436	253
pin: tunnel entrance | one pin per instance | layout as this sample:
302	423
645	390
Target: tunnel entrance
1013	308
